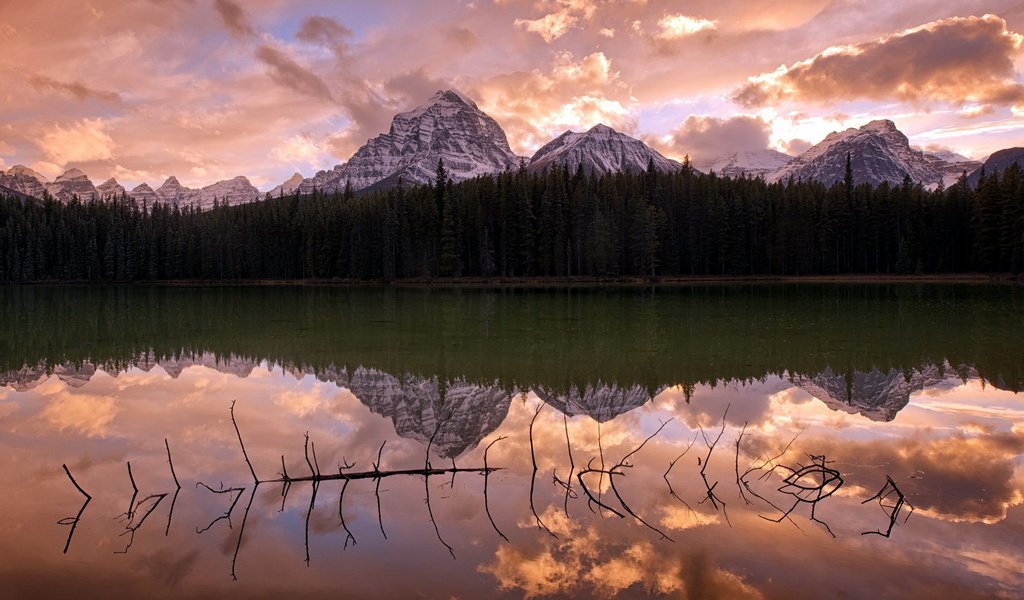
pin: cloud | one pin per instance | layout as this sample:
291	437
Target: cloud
324	30
706	138
298	150
550	27
463	37
534	106
84	140
674	27
956	60
556	24
234	18
77	89
291	74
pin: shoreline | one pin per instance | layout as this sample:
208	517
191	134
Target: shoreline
560	282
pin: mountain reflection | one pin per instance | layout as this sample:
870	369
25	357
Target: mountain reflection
414	403
406	396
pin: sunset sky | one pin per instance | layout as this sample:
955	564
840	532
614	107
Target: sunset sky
209	89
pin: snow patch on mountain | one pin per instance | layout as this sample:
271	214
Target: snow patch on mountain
600	150
449	127
878	151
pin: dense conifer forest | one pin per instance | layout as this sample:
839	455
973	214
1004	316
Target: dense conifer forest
558	223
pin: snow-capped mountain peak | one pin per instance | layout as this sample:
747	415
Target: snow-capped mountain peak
449	127
878	152
601	149
751	163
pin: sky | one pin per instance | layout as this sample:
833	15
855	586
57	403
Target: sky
209	89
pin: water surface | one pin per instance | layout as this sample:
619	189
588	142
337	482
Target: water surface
698	402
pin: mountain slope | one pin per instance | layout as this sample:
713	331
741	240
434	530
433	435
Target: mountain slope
287	187
600	150
997	163
23	180
233	191
449	127
72	183
878	152
751	163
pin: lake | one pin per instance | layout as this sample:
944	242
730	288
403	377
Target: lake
733	441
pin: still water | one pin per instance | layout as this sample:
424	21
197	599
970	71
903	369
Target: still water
797	441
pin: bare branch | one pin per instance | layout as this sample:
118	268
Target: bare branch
487	475
242	444
73	521
533	476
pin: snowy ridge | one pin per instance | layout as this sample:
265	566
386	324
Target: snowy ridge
878	151
449	127
750	163
232	191
600	150
23	180
877	395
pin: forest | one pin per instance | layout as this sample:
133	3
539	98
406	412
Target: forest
516	224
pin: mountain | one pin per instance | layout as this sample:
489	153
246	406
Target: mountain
878	152
110	188
598	401
233	191
287	187
416	404
23	180
72	183
600	150
172	192
449	127
752	163
877	395
952	165
142	193
998	162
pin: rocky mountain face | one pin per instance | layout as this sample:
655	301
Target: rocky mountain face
23	180
110	188
142	193
600	150
416	404
878	152
72	183
233	191
952	166
287	187
448	127
877	395
750	163
598	401
996	163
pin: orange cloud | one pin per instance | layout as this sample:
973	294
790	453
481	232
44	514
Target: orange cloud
955	60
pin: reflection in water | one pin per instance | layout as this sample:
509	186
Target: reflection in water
393	447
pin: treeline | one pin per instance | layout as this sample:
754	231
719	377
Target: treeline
517	224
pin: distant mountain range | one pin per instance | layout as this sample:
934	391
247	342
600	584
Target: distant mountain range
452	128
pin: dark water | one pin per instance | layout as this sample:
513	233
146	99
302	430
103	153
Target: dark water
643	442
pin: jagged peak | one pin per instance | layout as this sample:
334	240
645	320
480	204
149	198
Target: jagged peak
171	181
601	128
142	187
881	125
109	182
23	170
71	174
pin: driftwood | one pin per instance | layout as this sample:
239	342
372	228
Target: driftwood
710	495
889	491
533	475
801	485
73	521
